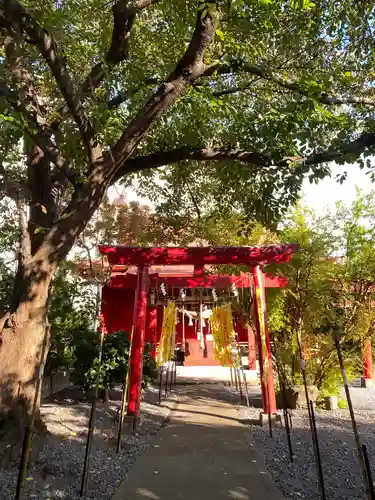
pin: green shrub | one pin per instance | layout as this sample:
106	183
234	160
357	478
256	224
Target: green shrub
64	339
71	311
342	404
115	361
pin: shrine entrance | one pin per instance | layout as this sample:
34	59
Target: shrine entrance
143	270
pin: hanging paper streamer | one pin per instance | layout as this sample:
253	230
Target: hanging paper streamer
224	337
168	337
262	324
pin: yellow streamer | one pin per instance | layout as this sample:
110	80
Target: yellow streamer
223	335
168	337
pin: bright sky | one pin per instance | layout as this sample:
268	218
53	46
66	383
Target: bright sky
326	193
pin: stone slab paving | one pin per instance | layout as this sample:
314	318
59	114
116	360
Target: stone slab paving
203	453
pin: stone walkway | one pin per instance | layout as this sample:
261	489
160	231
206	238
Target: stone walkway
203	453
210	374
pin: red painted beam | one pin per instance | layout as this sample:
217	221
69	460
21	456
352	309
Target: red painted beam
198	255
208	281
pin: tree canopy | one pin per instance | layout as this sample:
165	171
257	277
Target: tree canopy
282	88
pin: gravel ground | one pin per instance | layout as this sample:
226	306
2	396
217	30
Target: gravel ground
342	476
57	472
362	399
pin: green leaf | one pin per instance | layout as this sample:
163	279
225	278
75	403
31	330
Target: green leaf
220	34
303	4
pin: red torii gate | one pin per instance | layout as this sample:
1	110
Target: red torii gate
143	258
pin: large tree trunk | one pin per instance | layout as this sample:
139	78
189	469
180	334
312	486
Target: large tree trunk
22	330
22	338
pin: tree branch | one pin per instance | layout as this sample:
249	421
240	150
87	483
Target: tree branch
17	190
356	147
6	93
18	21
266	74
189	68
124	14
194	200
42	138
163	158
25	241
27	102
234	90
121	97
123	19
25	99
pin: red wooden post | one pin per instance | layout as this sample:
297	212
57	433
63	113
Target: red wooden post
368	371
252	349
267	381
138	341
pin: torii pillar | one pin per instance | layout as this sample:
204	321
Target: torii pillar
137	343
368	369
263	341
